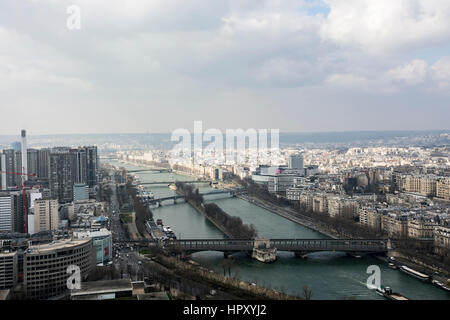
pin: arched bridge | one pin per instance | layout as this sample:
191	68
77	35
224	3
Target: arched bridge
159	201
294	245
170	182
149	170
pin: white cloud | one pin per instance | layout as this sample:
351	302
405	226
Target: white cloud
441	72
347	80
412	73
165	53
383	26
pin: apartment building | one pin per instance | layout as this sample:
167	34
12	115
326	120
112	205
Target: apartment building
370	217
395	225
45	215
442	240
421	229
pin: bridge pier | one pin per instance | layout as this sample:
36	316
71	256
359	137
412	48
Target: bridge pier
356	255
301	254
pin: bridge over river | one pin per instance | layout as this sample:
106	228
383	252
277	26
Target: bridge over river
299	246
159	201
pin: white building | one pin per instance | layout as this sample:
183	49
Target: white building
6	213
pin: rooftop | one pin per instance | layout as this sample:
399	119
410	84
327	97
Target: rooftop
59	244
104	286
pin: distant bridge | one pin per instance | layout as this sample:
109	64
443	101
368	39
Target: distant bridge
170	182
150	170
158	201
299	246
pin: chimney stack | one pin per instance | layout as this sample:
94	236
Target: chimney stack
24	156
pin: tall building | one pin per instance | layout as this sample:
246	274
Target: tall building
3	185
92	166
20	212
9	165
45	215
6	213
80	166
295	161
43	164
60	174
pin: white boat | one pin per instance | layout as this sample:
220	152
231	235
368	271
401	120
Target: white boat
392	266
414	273
441	285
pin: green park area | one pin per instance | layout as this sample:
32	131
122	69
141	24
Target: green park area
127	217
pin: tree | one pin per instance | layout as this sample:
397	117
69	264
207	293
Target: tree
306	292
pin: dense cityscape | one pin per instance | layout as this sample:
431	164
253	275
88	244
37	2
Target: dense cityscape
98	209
224	159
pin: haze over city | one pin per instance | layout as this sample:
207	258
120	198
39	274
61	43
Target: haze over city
154	66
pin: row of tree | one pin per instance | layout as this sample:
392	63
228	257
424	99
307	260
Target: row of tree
233	225
142	212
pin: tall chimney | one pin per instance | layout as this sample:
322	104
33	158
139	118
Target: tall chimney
24	156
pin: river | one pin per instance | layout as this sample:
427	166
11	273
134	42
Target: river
329	275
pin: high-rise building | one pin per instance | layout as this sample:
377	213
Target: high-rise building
33	162
92	166
295	161
3	185
43	164
80	166
45	215
60	175
9	165
20	211
6	213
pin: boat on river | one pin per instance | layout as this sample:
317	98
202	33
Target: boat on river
440	285
388	294
414	273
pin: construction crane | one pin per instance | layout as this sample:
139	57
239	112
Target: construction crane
24	194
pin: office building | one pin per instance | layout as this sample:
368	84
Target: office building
6	213
45	215
45	266
80	192
60	175
102	242
8	269
91	166
295	161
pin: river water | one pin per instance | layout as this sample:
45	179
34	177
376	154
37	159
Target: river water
329	275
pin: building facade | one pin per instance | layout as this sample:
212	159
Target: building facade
45	266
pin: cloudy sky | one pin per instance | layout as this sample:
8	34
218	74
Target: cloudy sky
157	65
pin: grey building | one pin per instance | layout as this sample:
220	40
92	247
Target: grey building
61	174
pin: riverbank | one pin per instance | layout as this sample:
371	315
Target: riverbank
233	286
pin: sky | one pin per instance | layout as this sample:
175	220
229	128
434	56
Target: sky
151	66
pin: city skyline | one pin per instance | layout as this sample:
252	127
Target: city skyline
297	66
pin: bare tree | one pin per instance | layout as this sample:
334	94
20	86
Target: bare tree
306	293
